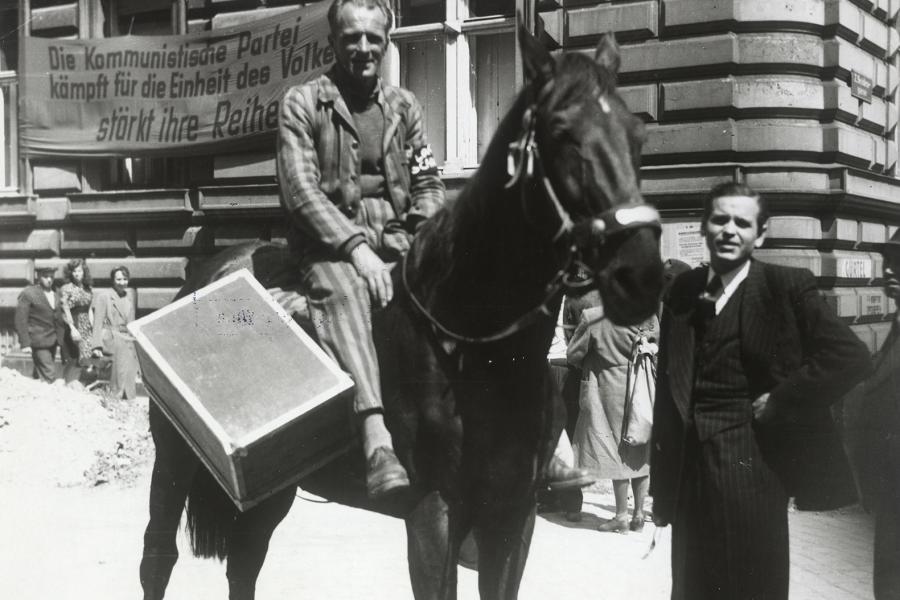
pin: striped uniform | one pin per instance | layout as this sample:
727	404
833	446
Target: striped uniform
318	167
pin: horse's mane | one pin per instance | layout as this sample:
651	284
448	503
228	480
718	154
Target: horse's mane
469	220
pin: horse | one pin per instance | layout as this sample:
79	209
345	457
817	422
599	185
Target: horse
554	208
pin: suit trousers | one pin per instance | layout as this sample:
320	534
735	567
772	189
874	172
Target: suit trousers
886	567
341	313
730	531
44	364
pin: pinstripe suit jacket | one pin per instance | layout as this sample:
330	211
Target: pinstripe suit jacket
795	348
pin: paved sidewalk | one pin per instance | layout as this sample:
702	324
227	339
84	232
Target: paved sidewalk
831	555
85	544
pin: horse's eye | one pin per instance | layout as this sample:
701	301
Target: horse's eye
559	130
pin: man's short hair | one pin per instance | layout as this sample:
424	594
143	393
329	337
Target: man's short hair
733	188
383	5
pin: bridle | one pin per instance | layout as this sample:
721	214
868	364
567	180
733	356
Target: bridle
524	164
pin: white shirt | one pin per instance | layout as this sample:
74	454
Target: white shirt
51	298
730	282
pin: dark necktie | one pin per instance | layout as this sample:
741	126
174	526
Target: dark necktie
708	298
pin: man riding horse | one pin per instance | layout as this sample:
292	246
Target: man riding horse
462	348
357	178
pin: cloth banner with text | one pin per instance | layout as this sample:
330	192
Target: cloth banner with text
133	95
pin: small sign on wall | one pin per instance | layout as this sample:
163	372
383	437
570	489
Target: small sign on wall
683	240
860	86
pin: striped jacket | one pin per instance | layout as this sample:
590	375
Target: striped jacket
318	166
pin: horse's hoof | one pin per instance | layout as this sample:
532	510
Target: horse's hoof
384	474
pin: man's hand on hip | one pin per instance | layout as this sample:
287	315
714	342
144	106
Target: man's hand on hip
375	272
763	410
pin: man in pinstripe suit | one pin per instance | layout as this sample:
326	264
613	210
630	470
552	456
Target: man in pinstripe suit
357	178
751	357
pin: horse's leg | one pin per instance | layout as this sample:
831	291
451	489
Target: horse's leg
432	549
511	436
249	542
502	552
174	469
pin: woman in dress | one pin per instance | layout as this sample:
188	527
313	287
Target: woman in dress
603	352
113	311
75	298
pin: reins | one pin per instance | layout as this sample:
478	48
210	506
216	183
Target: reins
555	285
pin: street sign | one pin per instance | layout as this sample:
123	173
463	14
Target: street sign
860	86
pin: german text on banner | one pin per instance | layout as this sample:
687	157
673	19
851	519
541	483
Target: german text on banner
135	95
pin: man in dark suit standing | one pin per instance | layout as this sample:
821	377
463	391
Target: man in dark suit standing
39	323
879	441
751	356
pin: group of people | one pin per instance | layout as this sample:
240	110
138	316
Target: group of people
750	360
750	356
83	324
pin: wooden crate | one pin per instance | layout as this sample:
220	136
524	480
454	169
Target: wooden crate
259	402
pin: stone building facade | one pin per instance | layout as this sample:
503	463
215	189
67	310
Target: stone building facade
797	98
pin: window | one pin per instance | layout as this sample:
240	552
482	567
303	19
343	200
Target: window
9	57
9	161
459	59
137	17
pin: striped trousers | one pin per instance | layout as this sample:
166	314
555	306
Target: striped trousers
730	531
340	306
341	313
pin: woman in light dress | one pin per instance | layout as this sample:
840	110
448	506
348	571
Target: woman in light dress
113	310
603	352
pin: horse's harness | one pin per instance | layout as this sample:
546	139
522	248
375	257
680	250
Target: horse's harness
523	164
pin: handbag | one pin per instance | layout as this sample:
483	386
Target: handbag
640	389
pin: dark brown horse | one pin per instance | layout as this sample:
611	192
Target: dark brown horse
463	345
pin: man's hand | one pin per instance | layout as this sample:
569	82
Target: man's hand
76	337
763	410
26	349
375	272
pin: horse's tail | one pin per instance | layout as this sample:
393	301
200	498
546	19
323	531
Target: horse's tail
210	517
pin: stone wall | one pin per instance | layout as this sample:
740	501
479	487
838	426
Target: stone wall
755	90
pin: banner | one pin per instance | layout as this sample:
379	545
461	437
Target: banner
135	95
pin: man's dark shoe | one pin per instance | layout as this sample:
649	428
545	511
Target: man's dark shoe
384	473
562	477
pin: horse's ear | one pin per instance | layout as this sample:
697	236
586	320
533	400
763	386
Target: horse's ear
536	61
607	53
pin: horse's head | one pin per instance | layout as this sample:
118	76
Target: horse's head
588	144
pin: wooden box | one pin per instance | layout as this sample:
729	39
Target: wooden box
259	402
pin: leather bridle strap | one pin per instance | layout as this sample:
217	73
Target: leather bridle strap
540	311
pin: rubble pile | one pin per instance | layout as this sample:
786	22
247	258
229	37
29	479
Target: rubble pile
55	435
